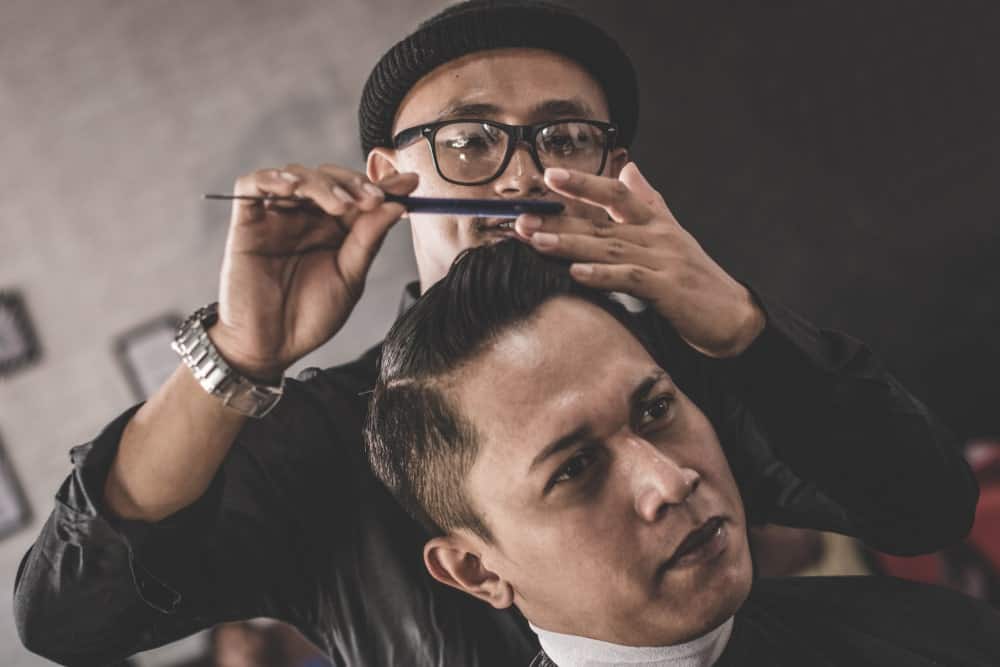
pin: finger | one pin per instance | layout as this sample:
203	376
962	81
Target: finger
633	279
319	188
610	194
369	230
358	188
264	182
528	224
637	183
260	183
400	183
364	240
585	248
366	194
278	182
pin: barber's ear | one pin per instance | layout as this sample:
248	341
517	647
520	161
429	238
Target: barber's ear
617	160
381	164
451	561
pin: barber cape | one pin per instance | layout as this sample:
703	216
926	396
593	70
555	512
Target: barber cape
577	651
827	622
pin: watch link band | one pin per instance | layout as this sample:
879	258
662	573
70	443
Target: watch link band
216	376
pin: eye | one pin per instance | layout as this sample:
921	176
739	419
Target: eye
574	467
655	410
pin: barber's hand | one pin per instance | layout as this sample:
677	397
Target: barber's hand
292	273
642	250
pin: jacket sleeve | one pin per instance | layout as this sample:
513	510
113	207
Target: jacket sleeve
820	435
93	589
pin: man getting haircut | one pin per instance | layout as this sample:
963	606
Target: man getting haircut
559	468
215	501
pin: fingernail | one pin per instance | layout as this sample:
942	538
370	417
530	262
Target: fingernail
544	239
581	270
373	190
531	223
288	176
343	194
556	175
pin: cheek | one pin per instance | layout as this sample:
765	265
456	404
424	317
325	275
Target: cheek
584	545
418	160
437	236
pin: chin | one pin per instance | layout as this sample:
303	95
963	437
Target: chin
734	587
720	597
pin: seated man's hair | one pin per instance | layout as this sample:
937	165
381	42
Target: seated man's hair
418	443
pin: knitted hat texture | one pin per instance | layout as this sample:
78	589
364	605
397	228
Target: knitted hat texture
479	25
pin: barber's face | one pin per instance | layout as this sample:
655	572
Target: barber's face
594	470
513	86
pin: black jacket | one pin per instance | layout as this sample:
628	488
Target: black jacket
295	527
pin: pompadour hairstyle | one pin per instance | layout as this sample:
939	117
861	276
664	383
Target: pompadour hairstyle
418	444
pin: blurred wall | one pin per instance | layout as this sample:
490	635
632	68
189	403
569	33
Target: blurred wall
844	158
839	156
116	117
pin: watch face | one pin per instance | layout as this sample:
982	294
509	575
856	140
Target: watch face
18	345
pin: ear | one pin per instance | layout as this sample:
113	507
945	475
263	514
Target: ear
450	561
617	161
381	164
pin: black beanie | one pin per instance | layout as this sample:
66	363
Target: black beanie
478	25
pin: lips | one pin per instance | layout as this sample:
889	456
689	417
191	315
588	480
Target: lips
696	539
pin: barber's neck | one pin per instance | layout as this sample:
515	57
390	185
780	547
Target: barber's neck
576	651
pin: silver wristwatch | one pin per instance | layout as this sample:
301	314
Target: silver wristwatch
213	373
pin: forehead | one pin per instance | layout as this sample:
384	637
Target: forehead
515	80
572	363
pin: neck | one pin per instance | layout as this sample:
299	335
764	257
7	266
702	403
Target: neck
577	651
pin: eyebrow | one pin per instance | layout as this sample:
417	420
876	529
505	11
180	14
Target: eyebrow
547	108
585	431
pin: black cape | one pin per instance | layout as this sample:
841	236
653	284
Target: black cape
858	622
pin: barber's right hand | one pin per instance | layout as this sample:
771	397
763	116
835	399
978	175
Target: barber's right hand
292	273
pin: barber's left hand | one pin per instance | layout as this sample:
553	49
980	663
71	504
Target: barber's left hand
643	251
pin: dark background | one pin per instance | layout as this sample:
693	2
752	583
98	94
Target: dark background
842	158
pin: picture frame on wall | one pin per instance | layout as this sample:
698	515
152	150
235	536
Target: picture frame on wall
14	510
19	345
144	354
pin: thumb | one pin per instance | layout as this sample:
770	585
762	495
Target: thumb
637	183
368	231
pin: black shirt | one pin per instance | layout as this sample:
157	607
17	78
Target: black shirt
295	527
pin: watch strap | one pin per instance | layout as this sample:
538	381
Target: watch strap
214	374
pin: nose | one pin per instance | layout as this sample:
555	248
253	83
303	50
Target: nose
659	481
521	178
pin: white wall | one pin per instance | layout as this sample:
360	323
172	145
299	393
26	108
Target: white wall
114	118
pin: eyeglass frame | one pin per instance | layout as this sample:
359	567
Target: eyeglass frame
516	135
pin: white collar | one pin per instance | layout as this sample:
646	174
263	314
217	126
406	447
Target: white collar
576	651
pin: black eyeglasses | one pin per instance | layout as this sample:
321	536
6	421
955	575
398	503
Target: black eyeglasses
473	152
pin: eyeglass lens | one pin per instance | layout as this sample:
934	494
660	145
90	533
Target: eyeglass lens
470	151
